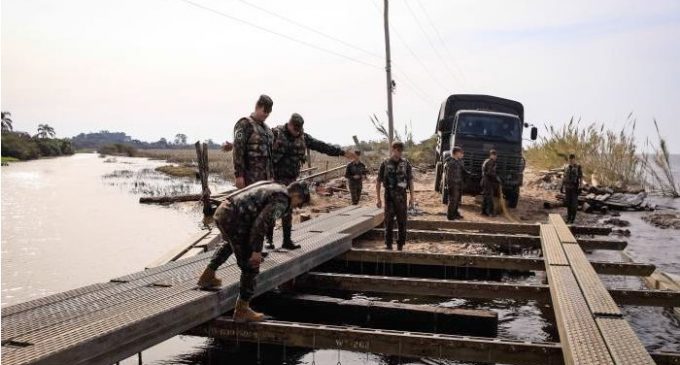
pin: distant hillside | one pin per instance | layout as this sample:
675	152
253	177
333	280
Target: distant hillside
95	140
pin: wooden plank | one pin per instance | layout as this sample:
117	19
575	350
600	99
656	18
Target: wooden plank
552	248
505	228
397	343
503	262
377	314
580	337
181	249
624	346
494	240
596	295
468	288
563	231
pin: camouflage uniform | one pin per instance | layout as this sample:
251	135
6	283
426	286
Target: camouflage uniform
396	177
243	220
490	185
455	171
571	182
288	155
252	150
355	168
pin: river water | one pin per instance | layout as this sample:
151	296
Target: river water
72	221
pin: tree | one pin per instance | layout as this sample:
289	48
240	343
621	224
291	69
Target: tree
180	139
7	122
45	131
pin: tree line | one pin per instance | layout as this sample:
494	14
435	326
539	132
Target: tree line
24	146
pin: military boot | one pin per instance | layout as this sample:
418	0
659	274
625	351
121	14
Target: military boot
243	313
289	245
208	279
270	244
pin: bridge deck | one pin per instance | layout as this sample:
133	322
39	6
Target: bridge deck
589	322
106	322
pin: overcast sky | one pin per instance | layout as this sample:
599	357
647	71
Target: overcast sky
154	68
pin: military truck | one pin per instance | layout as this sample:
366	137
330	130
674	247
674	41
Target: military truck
479	123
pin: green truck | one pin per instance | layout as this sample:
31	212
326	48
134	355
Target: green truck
479	123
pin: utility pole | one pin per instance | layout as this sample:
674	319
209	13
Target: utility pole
388	71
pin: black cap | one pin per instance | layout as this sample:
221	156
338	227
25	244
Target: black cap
456	149
572	156
265	102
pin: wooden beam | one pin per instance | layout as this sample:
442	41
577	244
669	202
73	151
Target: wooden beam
493	239
376	314
469	289
397	343
495	227
382	257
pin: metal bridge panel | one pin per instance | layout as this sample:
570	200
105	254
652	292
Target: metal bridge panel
624	346
563	231
551	246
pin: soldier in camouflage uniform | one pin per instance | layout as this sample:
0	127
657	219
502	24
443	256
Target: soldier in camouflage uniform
455	172
396	176
571	186
490	185
252	145
243	219
289	148
355	173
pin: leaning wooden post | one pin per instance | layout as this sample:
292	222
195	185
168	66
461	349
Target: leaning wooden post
203	171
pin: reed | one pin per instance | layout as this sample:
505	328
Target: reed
660	178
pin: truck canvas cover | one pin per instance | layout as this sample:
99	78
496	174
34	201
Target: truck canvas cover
454	103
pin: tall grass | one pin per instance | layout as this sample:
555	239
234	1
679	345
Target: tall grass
608	158
658	167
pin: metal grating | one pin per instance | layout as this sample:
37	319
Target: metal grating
581	340
623	344
594	291
563	231
551	246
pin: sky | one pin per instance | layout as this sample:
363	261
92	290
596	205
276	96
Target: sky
155	68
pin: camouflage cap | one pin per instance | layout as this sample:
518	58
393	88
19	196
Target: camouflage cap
297	121
266	102
302	188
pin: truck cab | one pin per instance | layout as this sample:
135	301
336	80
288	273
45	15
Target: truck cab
479	123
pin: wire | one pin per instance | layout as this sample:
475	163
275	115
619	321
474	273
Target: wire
429	41
415	56
441	40
304	43
311	29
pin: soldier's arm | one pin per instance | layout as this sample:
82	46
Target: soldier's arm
240	138
348	173
378	182
265	221
322	147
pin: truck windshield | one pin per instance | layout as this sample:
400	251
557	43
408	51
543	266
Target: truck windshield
499	127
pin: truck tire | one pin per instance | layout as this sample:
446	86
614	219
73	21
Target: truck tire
438	177
512	196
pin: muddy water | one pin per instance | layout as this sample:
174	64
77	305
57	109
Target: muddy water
72	221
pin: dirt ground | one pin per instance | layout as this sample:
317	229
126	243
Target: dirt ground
529	210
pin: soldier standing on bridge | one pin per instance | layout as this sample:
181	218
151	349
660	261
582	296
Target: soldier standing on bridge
289	147
252	145
490	185
455	172
396	176
355	173
243	219
571	186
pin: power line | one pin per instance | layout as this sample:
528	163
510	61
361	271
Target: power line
441	40
304	43
429	41
311	29
413	54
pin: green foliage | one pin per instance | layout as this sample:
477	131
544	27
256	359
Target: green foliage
23	147
117	149
609	157
7	122
660	175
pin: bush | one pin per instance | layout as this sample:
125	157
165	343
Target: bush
609	157
19	145
118	149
